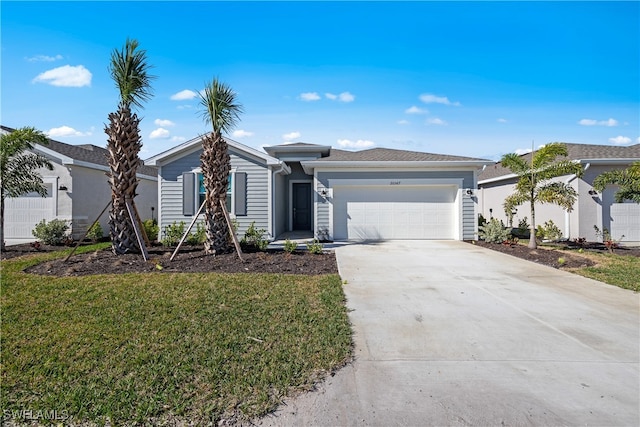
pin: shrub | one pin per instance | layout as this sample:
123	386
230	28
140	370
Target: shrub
254	238
609	242
314	246
290	246
198	236
151	228
548	231
95	232
493	231
173	233
52	233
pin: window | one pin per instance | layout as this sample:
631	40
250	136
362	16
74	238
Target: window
202	191
193	193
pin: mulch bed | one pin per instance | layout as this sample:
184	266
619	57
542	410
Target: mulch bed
190	259
551	257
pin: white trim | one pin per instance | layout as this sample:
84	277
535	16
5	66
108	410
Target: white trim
401	165
195	144
396	182
290	210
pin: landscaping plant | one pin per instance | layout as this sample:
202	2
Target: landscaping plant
254	238
221	110
54	232
494	231
290	246
151	228
130	72
536	172
95	233
314	246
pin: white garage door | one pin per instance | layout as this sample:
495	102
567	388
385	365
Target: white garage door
390	212
625	221
23	213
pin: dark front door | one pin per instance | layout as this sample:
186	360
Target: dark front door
301	206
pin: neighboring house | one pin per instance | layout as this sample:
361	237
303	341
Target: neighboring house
591	208
333	194
77	191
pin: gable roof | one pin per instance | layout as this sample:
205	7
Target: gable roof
583	153
196	143
87	155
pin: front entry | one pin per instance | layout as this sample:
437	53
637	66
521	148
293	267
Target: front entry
301	206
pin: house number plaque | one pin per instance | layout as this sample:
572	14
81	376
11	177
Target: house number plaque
394	182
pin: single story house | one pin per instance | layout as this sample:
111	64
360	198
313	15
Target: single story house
591	208
332	194
77	191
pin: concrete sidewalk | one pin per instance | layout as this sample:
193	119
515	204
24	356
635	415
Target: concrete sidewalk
447	333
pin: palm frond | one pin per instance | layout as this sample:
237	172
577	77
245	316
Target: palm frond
557	193
220	107
547	154
627	179
515	164
130	71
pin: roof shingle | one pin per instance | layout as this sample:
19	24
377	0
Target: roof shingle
575	152
390	155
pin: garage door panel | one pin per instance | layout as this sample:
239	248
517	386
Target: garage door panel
379	213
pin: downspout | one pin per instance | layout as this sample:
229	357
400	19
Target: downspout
567	215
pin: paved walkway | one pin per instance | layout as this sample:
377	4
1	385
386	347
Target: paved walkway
447	333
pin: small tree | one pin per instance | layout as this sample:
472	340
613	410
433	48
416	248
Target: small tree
221	109
535	181
628	180
18	166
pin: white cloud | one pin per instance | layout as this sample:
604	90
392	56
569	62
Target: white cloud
346	97
360	143
63	131
66	76
309	96
184	107
241	133
429	98
183	95
620	140
343	97
416	110
178	139
163	123
501	120
291	136
521	151
44	58
638	140
436	121
591	122
403	122
160	133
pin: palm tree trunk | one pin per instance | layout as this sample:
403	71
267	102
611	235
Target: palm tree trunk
215	169
532	235
124	144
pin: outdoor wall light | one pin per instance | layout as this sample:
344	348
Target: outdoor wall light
593	192
470	192
62	188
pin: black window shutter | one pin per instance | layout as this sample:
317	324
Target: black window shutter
188	193
240	193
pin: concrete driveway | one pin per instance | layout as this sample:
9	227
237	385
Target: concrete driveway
447	333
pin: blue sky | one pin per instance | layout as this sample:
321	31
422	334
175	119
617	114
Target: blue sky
475	79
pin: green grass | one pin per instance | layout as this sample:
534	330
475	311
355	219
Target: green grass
152	347
619	270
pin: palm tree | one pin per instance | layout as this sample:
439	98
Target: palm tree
536	182
222	111
18	173
129	70
628	180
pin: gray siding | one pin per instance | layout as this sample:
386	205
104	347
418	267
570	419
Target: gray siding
469	223
257	190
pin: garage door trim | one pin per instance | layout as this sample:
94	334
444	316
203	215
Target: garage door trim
397	183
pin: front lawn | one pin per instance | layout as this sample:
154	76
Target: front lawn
613	268
150	348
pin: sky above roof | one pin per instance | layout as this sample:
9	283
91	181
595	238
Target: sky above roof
476	79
